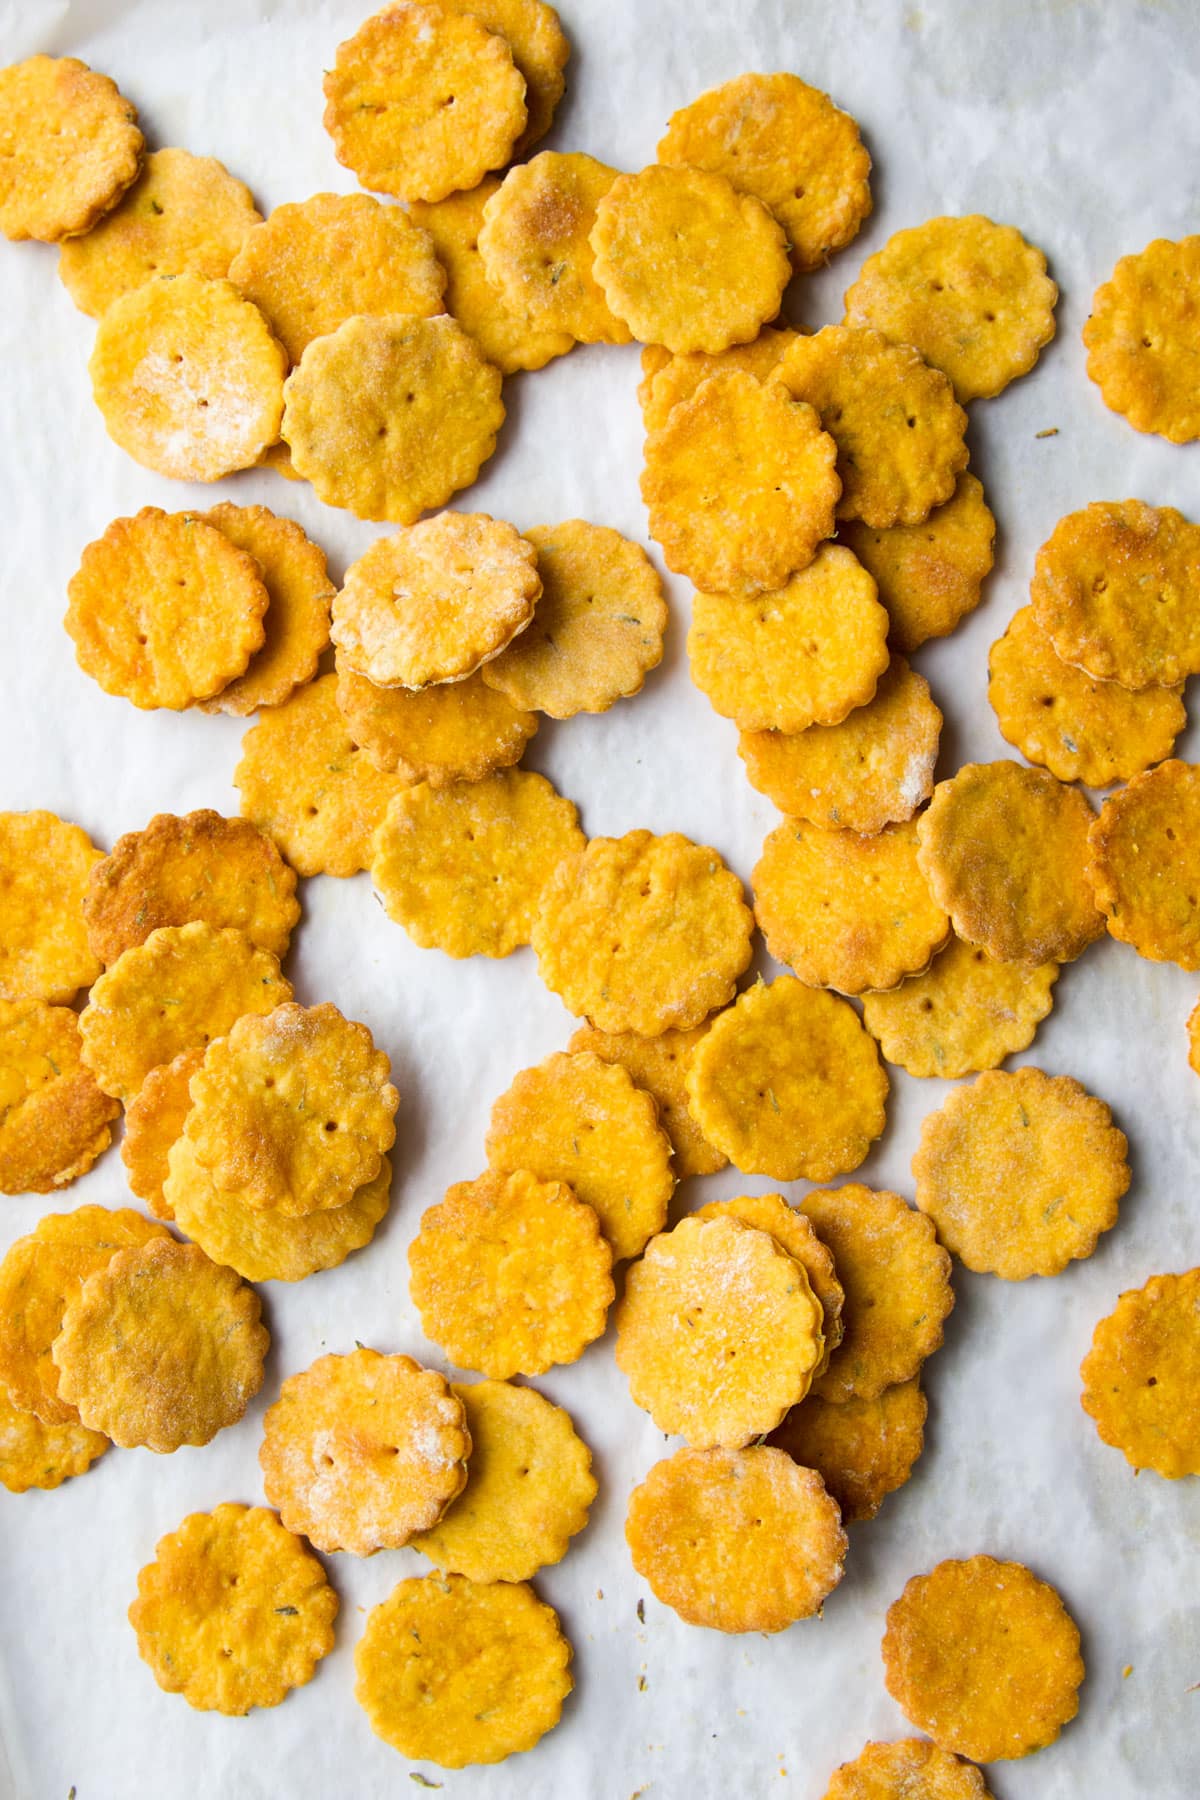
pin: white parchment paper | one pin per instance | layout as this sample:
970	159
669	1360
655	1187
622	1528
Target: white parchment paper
1077	120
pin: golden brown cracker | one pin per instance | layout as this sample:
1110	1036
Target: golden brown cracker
534	241
963	1014
44	868
33	1455
1141	339
929	575
533	32
69	147
456	731
795	1234
297	618
154	1121
54	1118
659	1065
1142	1375
910	1769
863	1450
1145	863
667	380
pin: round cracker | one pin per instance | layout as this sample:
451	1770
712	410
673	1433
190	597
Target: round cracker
533	32
1141	1377
659	1065
69	147
795	1234
34	1455
154	1121
911	1766
863	1450
456	731
54	1117
44	868
1141	339
967	1012
1146	863
667	380
297	619
929	575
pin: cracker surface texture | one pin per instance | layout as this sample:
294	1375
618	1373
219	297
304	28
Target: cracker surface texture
69	147
659	1065
296	623
795	1234
154	1121
965	1013
863	1450
534	241
910	1769
34	1455
1141	1377
1146	862
54	1117
454	731
929	576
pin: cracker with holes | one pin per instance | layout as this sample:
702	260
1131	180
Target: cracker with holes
972	296
909	1766
45	863
511	1275
529	1487
535	248
643	933
967	1012
1141	1377
297	617
533	32
863	1450
1146	866
659	1065
795	1234
669	380
154	1121
1141	339
736	1540
54	1117
930	575
454	731
34	1455
362	1451
71	148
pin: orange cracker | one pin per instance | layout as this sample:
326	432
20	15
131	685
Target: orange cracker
44	868
69	147
910	1769
863	1450
297	619
795	1234
659	1065
533	32
667	380
455	731
1141	339
929	575
1141	1377
1145	863
965	1013
33	1455
154	1120
54	1118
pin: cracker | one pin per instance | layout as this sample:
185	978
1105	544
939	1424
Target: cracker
510	1274
579	1120
897	1281
315	263
643	933
898	429
534	241
786	143
874	769
686	260
1141	339
33	1455
540	49
1021	1172
1096	732
910	1769
39	1277
154	1121
983	1657
808	654
456	731
183	212
967	1012
183	987
164	609
297	619
740	484
667	380
361	1451
736	1540
458	1672
293	1111
847	912
863	1450
389	417
597	627
200	866
929	575
718	1332
233	1612
423	101
1005	852
1116	588
1141	1376
529	1487
305	783
795	1234
44	867
161	1347
54	1119
1146	863
501	325
69	147
434	601
465	868
972	296
659	1065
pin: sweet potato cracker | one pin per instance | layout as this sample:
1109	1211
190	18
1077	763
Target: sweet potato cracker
540	49
33	1455
456	731
929	575
1141	339
297	618
54	1118
863	1450
154	1121
965	1013
659	1065
1146	863
69	147
535	248
667	380
1141	1377
795	1234
44	867
910	1769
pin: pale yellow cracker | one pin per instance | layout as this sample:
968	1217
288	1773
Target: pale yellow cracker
929	575
306	784
183	212
534	241
293	1111
667	380
422	101
786	143
580	1120
847	912
33	1455
910	1769
54	1118
234	1611
510	1274
898	429
797	1235
183	987
154	1121
434	601
686	260
659	1065
1020	1172
736	1540
718	1332
1142	342
740	484
69	147
297	618
529	1487
44	867
1116	588
965	1013
466	868
315	263
897	1281
874	769
1005	851
1146	863
863	1450
1141	1377
1081	729
533	32
164	609
457	1672
161	1347
972	296
455	731
808	654
389	417
643	933
597	627
788	1084
361	1451
983	1657
200	866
